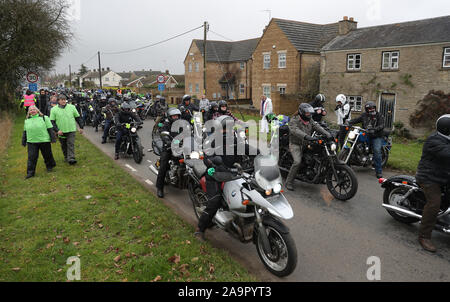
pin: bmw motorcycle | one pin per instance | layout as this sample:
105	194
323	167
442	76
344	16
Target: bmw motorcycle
357	150
320	165
404	200
252	209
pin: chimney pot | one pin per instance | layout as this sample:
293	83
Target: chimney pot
345	18
351	19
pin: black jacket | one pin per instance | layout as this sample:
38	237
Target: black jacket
185	115
434	166
125	117
376	123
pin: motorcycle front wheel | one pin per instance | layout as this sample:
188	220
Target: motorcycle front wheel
199	199
345	186
137	152
282	259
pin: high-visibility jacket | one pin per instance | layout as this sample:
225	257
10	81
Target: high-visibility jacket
29	100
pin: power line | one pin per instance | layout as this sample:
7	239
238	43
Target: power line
221	36
154	44
89	59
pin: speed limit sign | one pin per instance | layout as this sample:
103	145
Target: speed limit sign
32	77
161	79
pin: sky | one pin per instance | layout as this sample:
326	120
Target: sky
120	25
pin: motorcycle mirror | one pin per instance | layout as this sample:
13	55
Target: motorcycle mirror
165	133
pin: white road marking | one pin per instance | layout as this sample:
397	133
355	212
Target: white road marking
131	168
149	161
149	182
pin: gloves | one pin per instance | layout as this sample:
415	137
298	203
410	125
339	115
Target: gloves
337	107
310	138
211	171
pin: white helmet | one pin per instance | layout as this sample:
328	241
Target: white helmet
341	98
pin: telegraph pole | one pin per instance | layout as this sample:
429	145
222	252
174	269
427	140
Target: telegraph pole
205	28
100	71
70	76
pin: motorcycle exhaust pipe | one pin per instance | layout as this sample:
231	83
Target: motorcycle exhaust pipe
153	169
401	211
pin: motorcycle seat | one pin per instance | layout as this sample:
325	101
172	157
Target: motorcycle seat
198	166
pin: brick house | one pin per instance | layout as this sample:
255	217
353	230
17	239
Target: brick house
393	65
228	69
286	62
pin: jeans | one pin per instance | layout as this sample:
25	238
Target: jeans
119	135
106	131
377	145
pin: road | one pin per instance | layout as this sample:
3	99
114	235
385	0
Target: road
334	239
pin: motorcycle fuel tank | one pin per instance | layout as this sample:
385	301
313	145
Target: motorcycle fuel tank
232	195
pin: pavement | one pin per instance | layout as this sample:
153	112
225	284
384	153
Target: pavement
335	240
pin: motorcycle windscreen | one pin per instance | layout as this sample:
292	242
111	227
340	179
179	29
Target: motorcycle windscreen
157	145
267	172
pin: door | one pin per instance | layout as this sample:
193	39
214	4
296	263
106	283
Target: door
387	109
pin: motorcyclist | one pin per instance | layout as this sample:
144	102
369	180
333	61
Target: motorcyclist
433	172
213	108
343	112
187	108
109	111
373	122
173	114
217	163
301	127
318	106
223	110
124	115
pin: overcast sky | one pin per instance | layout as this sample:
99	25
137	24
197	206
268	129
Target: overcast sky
118	25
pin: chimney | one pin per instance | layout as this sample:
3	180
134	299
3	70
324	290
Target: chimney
347	25
167	71
107	68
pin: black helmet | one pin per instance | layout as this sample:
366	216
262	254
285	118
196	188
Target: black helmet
305	111
320	99
443	125
126	107
171	112
214	105
371	108
186	97
221	104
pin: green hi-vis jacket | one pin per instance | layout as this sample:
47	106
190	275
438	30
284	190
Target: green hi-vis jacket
65	118
36	128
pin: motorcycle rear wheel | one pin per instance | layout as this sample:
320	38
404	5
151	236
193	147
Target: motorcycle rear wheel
390	197
283	259
347	182
199	199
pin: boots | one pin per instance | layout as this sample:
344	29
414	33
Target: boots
427	245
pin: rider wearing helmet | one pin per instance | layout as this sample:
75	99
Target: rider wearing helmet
173	114
373	122
433	172
223	110
109	111
301	127
187	108
213	108
343	112
124	115
318	106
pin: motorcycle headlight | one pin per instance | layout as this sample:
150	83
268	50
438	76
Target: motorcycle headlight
242	134
195	155
133	130
352	135
277	189
92	109
134	110
333	147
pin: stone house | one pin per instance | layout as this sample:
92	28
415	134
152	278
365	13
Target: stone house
394	65
228	69
286	62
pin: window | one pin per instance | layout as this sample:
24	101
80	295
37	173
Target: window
446	61
241	89
214	95
355	103
282	60
218	95
106	79
242	65
266	90
282	88
266	61
197	67
197	88
390	60
354	62
190	67
190	88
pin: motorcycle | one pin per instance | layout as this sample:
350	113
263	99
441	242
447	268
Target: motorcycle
320	165
404	200
131	143
252	207
357	149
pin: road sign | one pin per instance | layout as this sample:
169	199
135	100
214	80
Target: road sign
33	87
32	77
161	79
161	87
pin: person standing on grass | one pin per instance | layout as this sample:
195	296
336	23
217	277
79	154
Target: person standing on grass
63	118
38	133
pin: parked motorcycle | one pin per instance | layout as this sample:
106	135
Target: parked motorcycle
404	200
320	165
252	207
357	150
131	143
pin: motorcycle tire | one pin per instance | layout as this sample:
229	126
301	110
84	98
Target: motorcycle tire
389	197
137	153
198	197
343	154
384	157
350	184
283	259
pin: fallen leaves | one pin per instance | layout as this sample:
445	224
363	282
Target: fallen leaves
174	259
117	259
158	278
16	269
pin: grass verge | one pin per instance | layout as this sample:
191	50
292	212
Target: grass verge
97	212
405	155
